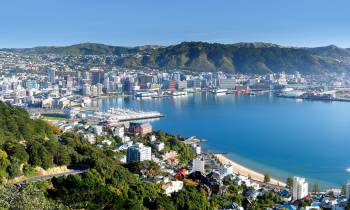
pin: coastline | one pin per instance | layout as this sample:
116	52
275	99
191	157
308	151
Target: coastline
242	170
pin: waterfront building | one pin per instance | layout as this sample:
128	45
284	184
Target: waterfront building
300	188
225	170
93	90
99	89
198	165
227	83
180	85
138	152
171	85
144	81
86	90
141	129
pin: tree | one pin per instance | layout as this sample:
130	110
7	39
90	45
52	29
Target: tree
29	197
267	178
253	205
148	168
61	157
315	188
289	182
4	163
14	169
191	199
331	194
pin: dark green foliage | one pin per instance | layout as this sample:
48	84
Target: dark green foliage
268	199
26	141
315	188
190	199
267	178
148	168
289	182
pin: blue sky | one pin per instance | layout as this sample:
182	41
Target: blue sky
137	22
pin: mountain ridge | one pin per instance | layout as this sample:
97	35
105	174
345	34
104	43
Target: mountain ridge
243	57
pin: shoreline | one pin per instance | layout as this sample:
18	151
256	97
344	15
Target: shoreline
243	170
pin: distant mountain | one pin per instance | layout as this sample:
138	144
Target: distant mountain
81	49
332	51
260	58
256	57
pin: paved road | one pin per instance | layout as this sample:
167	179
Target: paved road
47	177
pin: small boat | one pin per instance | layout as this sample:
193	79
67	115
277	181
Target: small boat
219	91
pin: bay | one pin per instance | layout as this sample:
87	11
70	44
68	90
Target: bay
283	137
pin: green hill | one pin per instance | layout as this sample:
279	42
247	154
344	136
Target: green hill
243	58
257	58
26	143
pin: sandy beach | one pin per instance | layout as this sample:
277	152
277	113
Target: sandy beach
242	170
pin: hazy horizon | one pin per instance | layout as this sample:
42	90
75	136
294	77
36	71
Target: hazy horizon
116	45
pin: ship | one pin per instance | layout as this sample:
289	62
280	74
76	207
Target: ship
179	93
219	91
145	94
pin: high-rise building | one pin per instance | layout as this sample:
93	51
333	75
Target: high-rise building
138	152
86	75
99	89
300	188
86	90
97	76
51	75
198	164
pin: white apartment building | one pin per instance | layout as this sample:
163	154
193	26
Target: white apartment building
197	148
119	131
225	170
300	188
138	152
198	165
171	187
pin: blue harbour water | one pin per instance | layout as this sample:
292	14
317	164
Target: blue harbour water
269	134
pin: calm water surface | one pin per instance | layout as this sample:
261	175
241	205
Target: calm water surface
276	135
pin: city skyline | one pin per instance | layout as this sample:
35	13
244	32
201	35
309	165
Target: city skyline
297	23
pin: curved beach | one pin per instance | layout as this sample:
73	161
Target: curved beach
242	170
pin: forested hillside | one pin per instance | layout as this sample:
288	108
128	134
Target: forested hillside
257	58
